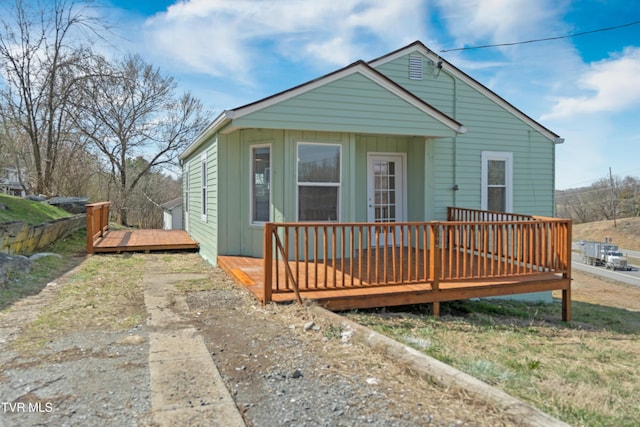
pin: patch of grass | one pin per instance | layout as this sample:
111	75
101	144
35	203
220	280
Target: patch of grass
584	372
43	270
19	209
333	332
105	292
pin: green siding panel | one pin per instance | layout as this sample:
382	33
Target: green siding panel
490	127
351	104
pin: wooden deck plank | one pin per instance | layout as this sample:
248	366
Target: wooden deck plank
345	298
144	240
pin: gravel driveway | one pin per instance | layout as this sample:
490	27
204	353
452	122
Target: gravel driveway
281	365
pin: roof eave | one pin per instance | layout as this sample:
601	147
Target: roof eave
218	123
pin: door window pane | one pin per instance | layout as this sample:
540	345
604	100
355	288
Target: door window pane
384	190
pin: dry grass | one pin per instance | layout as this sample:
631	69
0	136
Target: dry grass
104	292
626	234
584	372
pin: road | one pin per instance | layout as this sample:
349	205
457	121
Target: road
628	277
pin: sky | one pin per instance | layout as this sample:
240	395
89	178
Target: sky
585	88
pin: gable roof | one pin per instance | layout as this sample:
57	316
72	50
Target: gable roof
225	121
418	46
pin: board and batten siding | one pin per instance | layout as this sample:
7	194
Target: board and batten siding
490	127
352	104
204	232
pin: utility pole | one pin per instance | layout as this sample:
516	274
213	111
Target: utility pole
614	199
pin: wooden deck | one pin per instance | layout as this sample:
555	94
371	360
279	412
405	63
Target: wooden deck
144	241
361	265
249	273
101	239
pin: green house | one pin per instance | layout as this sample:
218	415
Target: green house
399	138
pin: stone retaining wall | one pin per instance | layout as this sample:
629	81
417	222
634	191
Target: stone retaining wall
20	238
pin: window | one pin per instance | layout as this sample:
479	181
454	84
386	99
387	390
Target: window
260	184
203	197
497	181
318	182
187	186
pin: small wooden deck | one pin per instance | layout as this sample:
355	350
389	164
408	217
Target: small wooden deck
144	241
100	239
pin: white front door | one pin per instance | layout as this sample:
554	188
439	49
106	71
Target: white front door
386	187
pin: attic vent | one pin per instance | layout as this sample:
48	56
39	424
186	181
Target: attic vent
415	67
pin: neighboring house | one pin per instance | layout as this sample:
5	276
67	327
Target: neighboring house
172	214
10	182
399	138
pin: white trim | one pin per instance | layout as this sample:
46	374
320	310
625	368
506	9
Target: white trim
452	70
204	187
507	157
320	184
251	189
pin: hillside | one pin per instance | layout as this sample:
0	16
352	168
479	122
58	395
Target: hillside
626	235
18	209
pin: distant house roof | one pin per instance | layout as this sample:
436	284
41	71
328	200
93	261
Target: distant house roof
172	204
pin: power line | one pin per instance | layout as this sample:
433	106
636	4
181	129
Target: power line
599	30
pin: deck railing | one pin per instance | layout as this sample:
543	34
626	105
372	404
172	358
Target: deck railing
472	245
97	222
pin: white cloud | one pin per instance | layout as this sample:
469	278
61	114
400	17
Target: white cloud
609	85
227	38
501	21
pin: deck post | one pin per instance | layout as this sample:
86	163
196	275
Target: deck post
268	261
90	231
566	293
435	260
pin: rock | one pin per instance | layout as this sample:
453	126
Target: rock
308	326
10	264
43	255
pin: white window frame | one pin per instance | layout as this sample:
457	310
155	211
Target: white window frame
320	184
507	157
204	191
187	185
251	187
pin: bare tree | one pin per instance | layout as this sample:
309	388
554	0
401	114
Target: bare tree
132	110
41	62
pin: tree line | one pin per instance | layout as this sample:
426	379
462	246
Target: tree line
606	199
75	122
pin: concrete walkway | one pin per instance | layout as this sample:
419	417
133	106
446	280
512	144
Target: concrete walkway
186	387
